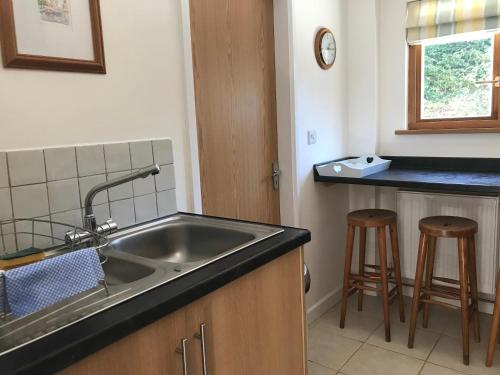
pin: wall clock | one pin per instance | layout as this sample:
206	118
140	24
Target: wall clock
325	48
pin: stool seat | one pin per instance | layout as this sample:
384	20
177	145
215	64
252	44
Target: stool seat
448	226
371	218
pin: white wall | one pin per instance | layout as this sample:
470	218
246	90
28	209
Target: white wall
320	103
142	95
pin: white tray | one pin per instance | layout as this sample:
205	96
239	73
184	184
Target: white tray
354	168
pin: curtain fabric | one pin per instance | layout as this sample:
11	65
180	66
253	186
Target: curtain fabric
430	19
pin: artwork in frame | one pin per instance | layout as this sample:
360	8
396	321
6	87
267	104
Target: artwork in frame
61	35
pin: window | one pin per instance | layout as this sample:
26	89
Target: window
451	85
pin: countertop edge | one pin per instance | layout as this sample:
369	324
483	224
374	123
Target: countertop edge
61	349
463	168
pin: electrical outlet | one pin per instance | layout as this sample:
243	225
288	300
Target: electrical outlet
312	137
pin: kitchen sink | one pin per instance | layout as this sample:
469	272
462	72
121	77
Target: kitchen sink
118	271
139	259
182	242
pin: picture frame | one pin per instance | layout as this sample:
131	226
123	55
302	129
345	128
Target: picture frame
61	38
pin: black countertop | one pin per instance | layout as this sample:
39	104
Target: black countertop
67	346
463	175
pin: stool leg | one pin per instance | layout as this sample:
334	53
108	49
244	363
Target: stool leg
347	272
495	325
362	252
422	253
397	269
429	272
473	287
464	295
382	248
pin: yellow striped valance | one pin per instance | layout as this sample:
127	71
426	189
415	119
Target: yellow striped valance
429	19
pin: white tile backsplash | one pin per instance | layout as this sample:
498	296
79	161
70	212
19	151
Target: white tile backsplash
68	218
26	167
163	152
4	174
60	163
123	212
145	207
143	186
90	160
52	183
30	201
122	191
5	204
167	204
64	195
117	157
165	180
141	154
87	183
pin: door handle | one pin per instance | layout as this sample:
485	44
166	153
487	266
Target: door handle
183	352
276	175
201	336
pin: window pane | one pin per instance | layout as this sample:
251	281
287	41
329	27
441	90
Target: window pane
450	71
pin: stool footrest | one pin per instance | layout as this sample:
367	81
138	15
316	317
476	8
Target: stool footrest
375	267
439	303
441	293
446	280
356	286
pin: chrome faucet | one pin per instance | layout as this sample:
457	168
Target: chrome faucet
89	218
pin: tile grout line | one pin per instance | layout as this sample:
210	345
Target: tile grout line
351	356
48	196
11	199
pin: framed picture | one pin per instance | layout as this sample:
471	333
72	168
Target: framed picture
52	34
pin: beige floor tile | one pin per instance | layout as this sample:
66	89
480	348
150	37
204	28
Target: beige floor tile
424	340
358	325
453	326
448	353
315	369
371	360
327	348
430	369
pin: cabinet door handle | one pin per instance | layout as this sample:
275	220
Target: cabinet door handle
183	352
201	336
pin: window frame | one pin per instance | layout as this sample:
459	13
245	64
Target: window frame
449	125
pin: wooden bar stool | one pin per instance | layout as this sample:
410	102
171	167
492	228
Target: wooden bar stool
378	219
464	231
495	325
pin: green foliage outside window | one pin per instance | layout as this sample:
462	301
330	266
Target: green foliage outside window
450	74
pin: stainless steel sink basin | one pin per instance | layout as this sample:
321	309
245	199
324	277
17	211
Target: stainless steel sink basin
182	242
140	258
118	271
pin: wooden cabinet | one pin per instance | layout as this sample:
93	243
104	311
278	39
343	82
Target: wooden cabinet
253	325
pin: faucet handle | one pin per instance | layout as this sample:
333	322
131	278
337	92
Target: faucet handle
109	227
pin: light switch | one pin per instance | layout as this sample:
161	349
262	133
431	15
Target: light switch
312	137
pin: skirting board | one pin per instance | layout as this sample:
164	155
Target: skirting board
323	305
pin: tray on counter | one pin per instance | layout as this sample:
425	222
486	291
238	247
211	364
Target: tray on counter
354	167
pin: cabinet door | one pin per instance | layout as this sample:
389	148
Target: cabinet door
255	325
149	351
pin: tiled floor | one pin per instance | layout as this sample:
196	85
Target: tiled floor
360	348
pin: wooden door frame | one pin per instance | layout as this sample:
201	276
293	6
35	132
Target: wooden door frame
284	107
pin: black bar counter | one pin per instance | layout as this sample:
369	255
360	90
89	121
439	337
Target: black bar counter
466	175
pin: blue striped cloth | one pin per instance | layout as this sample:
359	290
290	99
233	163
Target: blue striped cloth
36	286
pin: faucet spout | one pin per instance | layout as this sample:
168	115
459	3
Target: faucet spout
90	222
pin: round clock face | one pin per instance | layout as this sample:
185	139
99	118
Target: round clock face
328	48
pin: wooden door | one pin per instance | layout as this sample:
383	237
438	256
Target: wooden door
256	324
149	351
235	89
